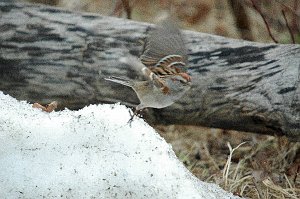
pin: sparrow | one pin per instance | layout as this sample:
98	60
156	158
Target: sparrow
164	61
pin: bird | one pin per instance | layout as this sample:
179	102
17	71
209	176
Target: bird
164	64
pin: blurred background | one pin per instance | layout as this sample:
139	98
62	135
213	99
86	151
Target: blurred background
255	20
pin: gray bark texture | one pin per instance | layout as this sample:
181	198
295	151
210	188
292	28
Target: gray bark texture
48	54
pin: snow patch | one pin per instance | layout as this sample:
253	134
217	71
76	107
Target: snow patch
90	153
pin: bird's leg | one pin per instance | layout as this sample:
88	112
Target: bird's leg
132	114
136	112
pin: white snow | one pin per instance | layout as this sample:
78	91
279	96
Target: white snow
90	153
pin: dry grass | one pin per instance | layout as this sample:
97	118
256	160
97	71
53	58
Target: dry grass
248	165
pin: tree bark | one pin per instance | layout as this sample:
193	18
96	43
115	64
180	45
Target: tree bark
50	54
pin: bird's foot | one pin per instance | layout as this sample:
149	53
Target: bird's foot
135	113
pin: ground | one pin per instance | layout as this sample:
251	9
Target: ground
262	167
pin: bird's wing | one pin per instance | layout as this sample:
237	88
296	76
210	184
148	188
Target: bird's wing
164	50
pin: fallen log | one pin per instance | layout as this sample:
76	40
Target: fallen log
51	54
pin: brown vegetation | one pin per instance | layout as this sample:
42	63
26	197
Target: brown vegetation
245	19
246	164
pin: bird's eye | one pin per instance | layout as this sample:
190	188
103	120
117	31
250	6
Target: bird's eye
182	81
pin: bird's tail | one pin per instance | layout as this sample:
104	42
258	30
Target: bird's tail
120	80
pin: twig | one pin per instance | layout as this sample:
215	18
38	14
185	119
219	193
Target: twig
228	163
287	25
265	21
270	184
296	17
293	11
260	194
290	185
